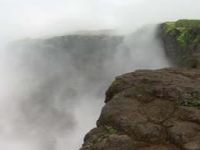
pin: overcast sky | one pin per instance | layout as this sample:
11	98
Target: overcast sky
45	17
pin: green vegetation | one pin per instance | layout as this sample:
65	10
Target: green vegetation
193	101
184	31
111	130
115	83
169	27
187	23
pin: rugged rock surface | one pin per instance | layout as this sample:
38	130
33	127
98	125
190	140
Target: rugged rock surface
182	42
150	110
155	109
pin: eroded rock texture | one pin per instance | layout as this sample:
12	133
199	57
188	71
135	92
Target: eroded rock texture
150	110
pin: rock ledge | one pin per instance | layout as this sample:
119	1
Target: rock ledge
150	110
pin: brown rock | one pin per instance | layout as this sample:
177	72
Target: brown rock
150	110
160	147
115	142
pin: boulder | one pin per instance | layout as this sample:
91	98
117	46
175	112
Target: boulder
150	110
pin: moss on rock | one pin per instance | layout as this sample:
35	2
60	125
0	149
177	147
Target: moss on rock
181	41
183	31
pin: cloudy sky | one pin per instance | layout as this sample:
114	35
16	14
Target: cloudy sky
43	17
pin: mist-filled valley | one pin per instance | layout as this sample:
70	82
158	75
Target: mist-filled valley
58	60
60	82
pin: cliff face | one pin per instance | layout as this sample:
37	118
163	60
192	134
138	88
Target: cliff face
155	110
182	42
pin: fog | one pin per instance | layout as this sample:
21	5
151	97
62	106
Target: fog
57	60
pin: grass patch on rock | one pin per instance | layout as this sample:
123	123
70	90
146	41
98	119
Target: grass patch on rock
193	100
111	130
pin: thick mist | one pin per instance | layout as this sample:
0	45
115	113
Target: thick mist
55	86
56	63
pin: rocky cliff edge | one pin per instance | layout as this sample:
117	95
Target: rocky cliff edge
155	109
